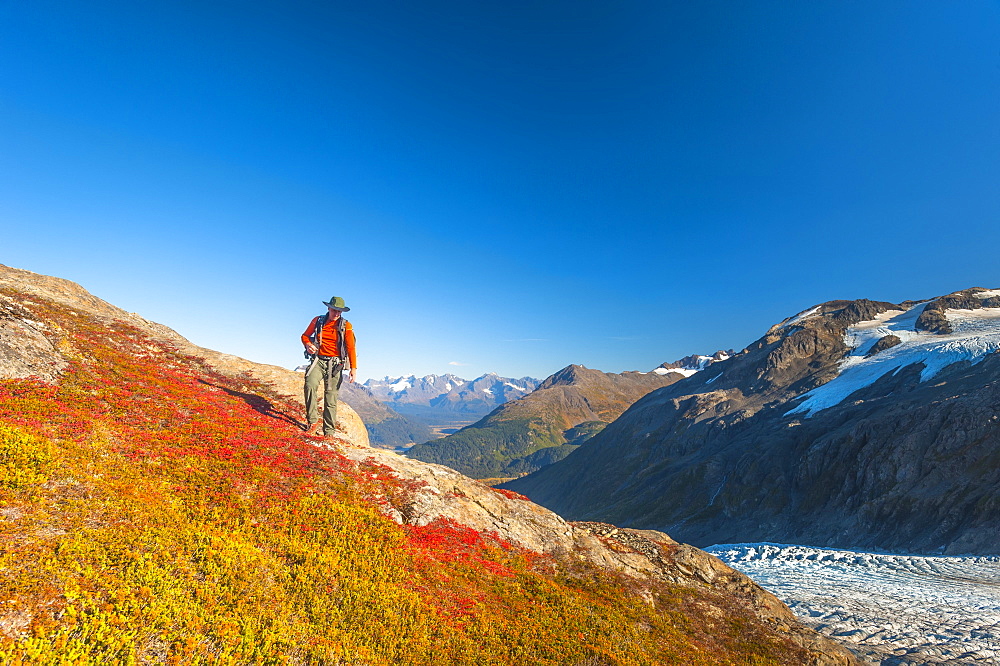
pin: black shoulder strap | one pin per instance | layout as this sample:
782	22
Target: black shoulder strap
342	339
317	334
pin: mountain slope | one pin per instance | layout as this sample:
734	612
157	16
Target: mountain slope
154	509
543	427
853	424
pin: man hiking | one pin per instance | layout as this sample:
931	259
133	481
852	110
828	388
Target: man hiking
329	343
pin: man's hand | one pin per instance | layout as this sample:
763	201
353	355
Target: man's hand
311	348
353	374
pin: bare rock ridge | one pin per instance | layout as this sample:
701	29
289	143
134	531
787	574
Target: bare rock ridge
24	351
854	424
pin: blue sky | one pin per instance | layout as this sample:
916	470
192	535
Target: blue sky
499	186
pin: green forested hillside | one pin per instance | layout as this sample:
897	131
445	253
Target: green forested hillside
543	427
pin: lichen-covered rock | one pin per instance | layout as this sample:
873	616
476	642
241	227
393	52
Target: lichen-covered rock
25	347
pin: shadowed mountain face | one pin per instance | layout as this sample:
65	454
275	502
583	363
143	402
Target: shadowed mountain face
854	424
524	435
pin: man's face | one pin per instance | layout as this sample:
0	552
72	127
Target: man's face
334	313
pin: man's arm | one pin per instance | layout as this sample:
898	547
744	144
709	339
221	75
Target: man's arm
351	353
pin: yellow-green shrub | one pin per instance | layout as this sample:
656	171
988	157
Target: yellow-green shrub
24	458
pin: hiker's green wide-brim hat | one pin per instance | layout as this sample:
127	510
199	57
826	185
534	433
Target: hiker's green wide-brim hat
337	303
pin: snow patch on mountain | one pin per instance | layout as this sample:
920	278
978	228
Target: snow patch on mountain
897	609
402	384
976	333
690	365
797	319
687	372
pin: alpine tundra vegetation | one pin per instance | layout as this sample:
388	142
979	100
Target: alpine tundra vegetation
158	506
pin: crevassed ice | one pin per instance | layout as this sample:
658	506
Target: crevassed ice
929	610
976	334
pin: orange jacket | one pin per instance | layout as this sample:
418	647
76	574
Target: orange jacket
329	346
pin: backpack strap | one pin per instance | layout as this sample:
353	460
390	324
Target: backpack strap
342	339
317	334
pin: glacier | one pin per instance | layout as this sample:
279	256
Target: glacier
894	609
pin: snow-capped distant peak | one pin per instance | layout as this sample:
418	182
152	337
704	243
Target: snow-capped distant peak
402	384
975	333
515	387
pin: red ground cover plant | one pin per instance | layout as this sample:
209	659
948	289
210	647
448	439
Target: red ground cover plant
153	510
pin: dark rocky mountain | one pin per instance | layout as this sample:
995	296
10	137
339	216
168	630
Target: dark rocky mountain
853	424
545	426
450	393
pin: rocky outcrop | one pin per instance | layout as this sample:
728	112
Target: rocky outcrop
641	554
885	342
26	348
933	318
31	348
899	462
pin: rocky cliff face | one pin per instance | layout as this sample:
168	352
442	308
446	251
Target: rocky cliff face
849	425
31	347
527	434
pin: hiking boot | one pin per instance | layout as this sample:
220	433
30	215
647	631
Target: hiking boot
313	429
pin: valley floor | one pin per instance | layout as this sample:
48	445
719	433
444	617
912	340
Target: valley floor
893	609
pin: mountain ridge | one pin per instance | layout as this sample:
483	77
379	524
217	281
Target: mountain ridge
803	438
451	393
564	411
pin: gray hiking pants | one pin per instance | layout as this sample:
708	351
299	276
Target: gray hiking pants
326	371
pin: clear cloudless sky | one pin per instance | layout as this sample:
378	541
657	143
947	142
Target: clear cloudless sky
499	186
